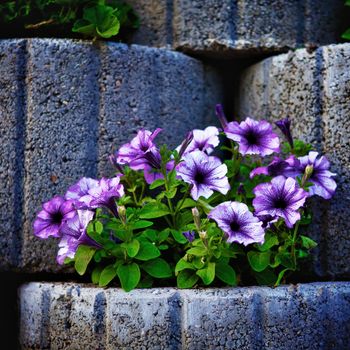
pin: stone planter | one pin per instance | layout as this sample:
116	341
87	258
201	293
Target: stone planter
65	105
225	28
72	316
312	88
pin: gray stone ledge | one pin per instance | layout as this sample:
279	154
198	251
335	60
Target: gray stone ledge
65	105
72	316
312	88
236	28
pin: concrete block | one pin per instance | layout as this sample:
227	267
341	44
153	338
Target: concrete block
71	316
66	105
225	28
312	88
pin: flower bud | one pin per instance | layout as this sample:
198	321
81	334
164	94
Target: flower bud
196	218
284	125
122	214
221	115
202	234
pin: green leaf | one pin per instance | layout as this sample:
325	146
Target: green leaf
259	261
141	224
96	273
197	251
178	236
107	275
98	227
187	203
270	241
157	268
266	277
307	242
207	274
280	276
182	265
132	248
129	276
154	210
82	258
226	273
146	282
186	279
147	251
286	259
157	183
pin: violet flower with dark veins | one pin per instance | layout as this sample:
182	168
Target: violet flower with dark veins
189	235
74	234
278	167
81	188
205	173
279	198
253	137
238	223
141	151
104	195
50	219
284	125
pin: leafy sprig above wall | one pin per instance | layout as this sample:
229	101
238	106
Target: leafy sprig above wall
91	18
346	34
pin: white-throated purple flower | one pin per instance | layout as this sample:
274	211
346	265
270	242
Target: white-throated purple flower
140	151
49	220
279	198
277	167
205	173
204	140
253	137
104	195
238	223
324	186
189	235
74	234
81	188
284	126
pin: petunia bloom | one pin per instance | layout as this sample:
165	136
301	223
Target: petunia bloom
253	137
74	234
324	186
204	140
141	151
189	235
279	198
205	173
81	188
278	167
104	195
284	126
238	223
49	220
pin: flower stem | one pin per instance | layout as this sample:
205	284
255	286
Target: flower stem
296	228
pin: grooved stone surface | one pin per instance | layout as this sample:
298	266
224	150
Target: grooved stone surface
71	316
231	28
66	105
313	89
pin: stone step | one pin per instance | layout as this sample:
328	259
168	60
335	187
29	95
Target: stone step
226	28
313	89
65	105
72	316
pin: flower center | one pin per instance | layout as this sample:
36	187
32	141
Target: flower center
251	137
280	203
234	226
57	217
199	178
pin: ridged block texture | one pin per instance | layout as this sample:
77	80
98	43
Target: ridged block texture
232	28
69	316
66	105
313	89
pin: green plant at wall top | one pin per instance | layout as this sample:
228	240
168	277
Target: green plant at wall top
91	18
346	34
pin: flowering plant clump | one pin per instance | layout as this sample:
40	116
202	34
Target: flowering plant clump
189	217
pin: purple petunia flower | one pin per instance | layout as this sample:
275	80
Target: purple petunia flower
219	110
238	223
204	140
284	125
253	137
277	167
324	186
206	174
189	235
81	188
74	234
279	198
141	151
49	220
104	195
